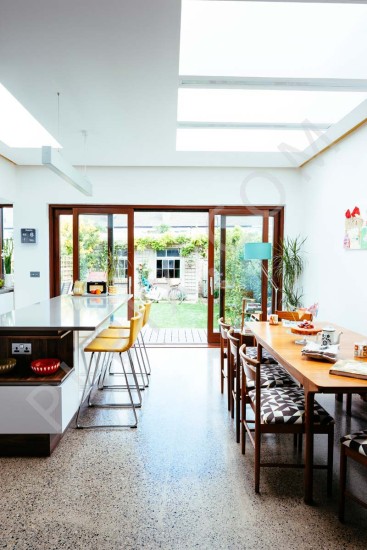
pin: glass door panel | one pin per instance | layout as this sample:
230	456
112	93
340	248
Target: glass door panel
231	277
66	253
270	289
103	249
93	247
119	247
92	244
234	278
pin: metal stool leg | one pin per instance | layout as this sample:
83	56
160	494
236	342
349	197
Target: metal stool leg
110	405
141	366
126	386
84	394
149	369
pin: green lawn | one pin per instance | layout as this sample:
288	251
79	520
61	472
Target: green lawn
174	315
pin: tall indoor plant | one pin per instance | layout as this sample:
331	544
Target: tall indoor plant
289	266
112	265
7	254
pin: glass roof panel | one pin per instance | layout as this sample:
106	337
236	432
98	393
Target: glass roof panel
265	106
18	127
245	140
273	39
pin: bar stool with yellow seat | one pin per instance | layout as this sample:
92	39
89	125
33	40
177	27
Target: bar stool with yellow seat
120	331
135	326
107	346
126	325
146	308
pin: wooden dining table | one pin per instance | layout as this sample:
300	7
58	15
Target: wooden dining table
312	374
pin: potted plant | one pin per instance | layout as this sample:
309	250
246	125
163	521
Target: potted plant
7	254
112	264
289	265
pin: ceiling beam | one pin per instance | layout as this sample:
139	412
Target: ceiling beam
265	83
308	1
307	125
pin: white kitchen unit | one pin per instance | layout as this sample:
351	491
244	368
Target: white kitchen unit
6	300
36	410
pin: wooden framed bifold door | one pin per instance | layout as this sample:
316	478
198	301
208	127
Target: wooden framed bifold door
82	237
81	241
230	276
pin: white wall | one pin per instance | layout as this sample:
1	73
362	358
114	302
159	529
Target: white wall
8	173
335	277
37	187
315	200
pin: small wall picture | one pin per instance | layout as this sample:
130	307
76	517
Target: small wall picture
355	236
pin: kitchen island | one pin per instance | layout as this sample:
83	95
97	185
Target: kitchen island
35	410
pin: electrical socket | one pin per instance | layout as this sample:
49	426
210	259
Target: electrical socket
21	349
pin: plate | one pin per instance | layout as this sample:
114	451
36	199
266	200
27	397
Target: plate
7	365
45	367
309	331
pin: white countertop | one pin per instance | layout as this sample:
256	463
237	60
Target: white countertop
63	313
6	289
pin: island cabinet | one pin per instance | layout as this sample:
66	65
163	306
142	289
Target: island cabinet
36	410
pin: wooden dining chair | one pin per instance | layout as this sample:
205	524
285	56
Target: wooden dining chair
288	315
272	376
234	379
278	410
252	308
294	315
353	446
223	328
305	316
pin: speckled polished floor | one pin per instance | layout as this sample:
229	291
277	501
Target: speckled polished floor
177	482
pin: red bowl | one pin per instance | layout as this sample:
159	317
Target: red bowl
45	367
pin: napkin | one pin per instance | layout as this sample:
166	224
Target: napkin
312	349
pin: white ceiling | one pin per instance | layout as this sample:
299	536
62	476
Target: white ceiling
115	64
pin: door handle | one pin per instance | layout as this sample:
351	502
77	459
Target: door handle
211	286
129	286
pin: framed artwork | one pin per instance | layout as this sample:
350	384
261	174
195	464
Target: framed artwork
355	235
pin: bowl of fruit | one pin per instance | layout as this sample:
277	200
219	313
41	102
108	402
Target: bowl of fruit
305	327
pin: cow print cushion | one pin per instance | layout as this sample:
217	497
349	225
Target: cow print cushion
273	376
287	406
356	442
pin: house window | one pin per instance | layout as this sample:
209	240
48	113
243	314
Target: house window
122	265
122	268
168	263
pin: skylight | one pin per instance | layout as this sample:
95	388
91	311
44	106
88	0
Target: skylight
280	39
266	106
244	140
18	127
264	76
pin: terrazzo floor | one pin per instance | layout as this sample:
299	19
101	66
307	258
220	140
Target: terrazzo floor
178	481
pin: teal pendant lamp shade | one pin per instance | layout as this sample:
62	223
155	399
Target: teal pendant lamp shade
257	251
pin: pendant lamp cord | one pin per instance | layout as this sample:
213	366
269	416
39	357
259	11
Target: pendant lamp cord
84	134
